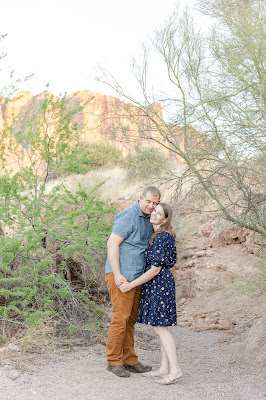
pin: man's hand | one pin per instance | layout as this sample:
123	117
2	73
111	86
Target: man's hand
125	287
119	279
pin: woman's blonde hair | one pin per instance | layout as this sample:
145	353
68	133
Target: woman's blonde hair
165	226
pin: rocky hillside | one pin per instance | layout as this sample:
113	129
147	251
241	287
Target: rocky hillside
103	118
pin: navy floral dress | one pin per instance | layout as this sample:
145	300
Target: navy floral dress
157	304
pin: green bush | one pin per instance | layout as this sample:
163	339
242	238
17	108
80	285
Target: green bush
53	270
146	163
86	156
53	241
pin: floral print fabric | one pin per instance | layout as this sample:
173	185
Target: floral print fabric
157	304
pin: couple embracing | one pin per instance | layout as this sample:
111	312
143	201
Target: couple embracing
141	251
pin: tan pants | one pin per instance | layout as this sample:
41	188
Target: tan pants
120	342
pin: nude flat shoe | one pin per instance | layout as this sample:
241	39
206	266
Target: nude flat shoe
153	374
170	381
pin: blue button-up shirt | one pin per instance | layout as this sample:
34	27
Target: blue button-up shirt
136	230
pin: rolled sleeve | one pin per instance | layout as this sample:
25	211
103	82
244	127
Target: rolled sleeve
123	225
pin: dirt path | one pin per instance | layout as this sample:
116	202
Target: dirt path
213	370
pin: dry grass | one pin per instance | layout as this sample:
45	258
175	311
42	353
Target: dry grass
115	185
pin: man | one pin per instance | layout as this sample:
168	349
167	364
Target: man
126	259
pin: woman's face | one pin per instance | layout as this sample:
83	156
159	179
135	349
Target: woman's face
157	216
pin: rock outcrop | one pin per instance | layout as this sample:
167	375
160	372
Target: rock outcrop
104	119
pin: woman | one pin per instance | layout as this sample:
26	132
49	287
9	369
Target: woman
157	304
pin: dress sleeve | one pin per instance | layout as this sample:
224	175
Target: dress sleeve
159	256
163	251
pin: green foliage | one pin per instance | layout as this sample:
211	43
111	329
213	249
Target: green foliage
40	138
54	244
214	108
38	261
146	163
86	156
8	75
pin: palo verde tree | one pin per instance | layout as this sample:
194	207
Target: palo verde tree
53	239
8	75
214	107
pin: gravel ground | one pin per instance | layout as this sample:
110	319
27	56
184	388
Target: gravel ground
213	368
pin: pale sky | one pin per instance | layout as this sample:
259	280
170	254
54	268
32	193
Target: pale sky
63	41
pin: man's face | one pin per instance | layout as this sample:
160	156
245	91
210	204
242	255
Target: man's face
148	203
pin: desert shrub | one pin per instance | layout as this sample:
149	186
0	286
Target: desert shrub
52	271
146	163
217	129
52	242
87	156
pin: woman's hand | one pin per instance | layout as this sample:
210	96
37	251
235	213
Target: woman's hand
119	279
125	287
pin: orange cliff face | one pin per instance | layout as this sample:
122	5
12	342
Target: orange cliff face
103	119
107	119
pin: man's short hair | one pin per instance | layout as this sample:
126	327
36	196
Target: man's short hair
153	190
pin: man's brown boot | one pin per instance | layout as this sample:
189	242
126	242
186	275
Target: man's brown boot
138	368
118	370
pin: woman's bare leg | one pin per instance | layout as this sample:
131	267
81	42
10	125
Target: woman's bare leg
169	346
164	368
